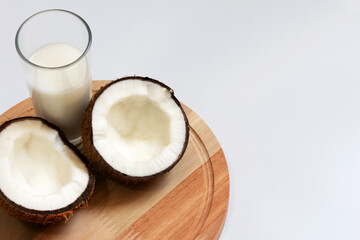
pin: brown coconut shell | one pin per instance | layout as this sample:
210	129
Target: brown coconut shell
96	160
52	216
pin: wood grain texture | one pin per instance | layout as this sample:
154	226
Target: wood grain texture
189	202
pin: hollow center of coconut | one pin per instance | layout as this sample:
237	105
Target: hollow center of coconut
138	128
46	171
39	171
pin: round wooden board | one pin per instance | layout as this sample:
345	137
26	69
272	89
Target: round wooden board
189	202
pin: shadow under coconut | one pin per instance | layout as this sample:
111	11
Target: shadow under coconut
124	203
11	226
33	227
133	194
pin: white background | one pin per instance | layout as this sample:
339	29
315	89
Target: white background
277	81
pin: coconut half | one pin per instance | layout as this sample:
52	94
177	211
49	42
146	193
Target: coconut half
134	129
43	178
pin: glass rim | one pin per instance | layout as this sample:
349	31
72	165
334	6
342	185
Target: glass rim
87	49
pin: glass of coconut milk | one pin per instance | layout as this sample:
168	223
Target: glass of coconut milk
54	47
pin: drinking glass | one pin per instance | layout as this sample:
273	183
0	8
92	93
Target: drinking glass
54	46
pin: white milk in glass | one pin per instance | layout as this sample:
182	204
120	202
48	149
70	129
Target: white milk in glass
60	95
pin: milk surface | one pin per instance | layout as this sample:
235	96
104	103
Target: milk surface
61	91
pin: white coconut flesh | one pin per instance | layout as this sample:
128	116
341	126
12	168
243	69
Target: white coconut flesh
38	171
138	128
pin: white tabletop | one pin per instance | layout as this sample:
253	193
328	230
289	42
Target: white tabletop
277	81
